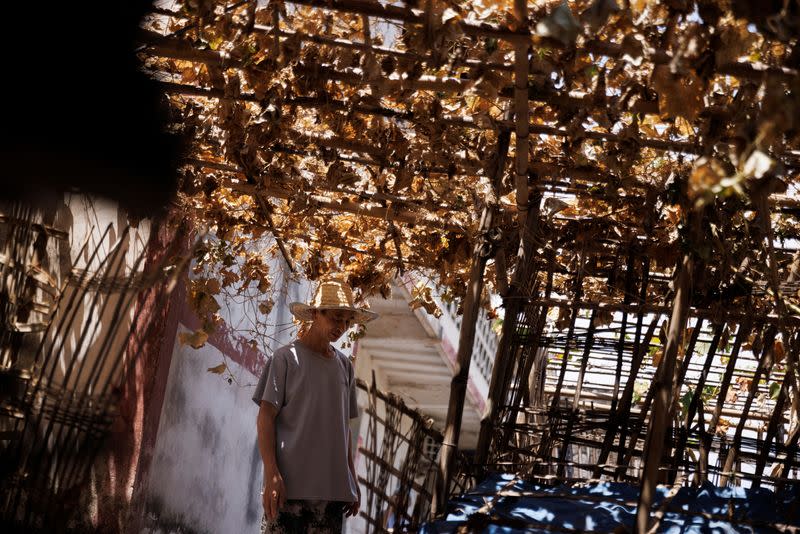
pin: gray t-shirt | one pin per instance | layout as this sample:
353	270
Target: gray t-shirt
315	397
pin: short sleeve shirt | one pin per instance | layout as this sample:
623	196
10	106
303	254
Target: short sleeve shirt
315	397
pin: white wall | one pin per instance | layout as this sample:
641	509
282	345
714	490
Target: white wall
205	473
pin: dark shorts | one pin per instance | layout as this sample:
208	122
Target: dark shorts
301	517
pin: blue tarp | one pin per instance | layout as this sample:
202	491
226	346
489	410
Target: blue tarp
609	505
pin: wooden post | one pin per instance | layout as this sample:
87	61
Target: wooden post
663	389
466	338
458	385
527	229
521	114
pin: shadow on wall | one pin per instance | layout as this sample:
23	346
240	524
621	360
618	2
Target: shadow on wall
254	509
158	521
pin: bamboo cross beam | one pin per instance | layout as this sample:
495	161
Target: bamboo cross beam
736	317
408	15
685	147
342	205
158	45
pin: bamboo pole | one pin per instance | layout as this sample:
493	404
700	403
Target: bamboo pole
640	348
578	290
576	398
774	423
663	386
705	438
629	284
458	385
764	367
625	403
503	357
528	224
695	402
521	113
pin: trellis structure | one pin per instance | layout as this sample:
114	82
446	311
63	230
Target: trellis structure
629	172
68	343
400	449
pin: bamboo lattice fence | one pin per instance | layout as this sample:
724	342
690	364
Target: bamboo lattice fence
400	450
68	344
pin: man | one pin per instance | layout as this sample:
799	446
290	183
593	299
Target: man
306	396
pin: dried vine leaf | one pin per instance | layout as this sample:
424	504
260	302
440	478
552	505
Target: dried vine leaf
678	94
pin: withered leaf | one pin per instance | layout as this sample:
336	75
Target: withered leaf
218	369
678	94
560	25
194	339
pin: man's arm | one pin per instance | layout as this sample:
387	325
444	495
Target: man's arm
352	508
274	494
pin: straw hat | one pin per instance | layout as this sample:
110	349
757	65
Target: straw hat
333	293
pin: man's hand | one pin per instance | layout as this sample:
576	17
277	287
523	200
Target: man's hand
274	495
351	509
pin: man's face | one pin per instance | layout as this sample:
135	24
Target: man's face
334	323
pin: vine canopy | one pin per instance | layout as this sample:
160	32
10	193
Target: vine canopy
370	137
